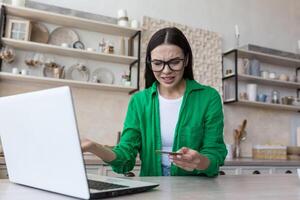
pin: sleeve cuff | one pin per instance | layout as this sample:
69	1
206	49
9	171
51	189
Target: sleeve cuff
212	169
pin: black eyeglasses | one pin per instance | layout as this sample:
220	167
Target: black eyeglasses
175	64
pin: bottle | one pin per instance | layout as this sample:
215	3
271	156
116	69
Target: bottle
275	96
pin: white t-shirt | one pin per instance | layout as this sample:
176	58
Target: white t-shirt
169	112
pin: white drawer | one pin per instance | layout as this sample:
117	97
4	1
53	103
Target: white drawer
107	171
93	169
256	170
229	171
285	170
3	173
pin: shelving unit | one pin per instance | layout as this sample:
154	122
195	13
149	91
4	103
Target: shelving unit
236	77
72	22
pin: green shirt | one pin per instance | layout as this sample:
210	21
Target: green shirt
199	127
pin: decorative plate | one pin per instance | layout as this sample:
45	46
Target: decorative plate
63	35
78	72
102	75
39	33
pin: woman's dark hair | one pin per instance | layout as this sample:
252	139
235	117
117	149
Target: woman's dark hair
169	35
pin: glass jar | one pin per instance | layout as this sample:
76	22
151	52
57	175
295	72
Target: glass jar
275	97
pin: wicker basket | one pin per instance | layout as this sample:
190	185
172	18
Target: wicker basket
269	152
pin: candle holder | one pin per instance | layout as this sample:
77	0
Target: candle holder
237	41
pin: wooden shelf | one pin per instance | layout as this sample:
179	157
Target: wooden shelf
61	82
266	105
261	80
70	21
70	52
269	58
266	58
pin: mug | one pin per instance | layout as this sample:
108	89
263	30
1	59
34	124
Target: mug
90	49
262	97
264	74
134	23
65	45
24	72
272	75
15	70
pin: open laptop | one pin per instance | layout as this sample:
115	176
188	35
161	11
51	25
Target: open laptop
42	148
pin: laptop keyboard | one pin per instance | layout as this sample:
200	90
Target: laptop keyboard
99	185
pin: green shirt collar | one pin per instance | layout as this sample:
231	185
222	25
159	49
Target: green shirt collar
190	86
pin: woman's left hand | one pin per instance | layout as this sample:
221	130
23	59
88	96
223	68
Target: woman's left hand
190	160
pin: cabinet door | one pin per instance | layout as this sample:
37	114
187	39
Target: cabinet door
285	170
94	169
107	171
256	170
3	172
229	171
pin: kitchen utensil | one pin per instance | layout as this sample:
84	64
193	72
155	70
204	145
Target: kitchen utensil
39	33
239	135
243	131
63	35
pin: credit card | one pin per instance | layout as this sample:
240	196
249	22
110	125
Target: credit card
169	152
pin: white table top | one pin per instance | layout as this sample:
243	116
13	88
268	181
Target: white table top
281	187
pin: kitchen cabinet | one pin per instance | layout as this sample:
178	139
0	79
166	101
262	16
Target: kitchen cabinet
283	66
256	170
106	170
3	172
130	61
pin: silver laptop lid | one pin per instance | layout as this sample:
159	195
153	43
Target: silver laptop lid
40	142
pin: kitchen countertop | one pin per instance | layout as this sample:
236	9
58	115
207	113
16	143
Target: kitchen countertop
93	160
246	187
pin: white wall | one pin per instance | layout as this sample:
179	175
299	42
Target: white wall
270	23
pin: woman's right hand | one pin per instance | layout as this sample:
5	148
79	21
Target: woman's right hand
87	145
99	150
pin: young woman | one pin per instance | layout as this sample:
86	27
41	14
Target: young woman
174	113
